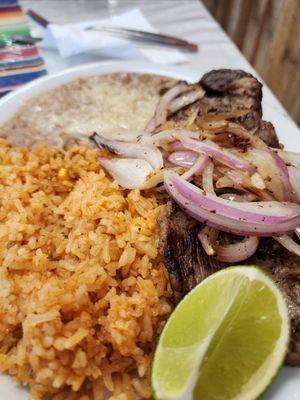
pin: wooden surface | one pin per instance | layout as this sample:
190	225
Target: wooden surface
268	34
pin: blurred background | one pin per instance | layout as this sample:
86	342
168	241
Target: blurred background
268	34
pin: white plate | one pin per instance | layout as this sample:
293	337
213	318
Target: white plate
287	384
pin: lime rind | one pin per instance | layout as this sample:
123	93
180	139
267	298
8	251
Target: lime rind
253	390
258	383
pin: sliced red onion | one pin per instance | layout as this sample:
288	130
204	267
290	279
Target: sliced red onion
289	157
241	132
215	126
216	137
257	181
248	219
294	174
131	150
170	135
274	172
224	156
154	178
226	182
207	237
186	98
167	163
188	118
222	169
184	158
128	172
237	251
241	198
287	242
230	252
208	179
197	168
161	111
283	173
240	178
261	212
175	146
231	128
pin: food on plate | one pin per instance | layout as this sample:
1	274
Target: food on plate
236	188
83	290
143	188
227	339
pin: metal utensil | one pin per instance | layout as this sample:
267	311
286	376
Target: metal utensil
144	36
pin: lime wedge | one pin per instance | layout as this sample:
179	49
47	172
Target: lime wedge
225	340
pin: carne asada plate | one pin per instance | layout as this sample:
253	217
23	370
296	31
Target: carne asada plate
188	138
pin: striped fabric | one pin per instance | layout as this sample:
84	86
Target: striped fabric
19	64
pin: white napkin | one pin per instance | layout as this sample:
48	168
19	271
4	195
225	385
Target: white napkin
71	39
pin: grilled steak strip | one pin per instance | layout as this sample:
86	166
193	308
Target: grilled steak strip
234	90
187	263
